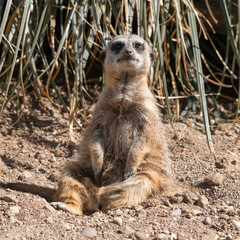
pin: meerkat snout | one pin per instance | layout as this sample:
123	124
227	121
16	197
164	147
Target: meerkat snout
128	52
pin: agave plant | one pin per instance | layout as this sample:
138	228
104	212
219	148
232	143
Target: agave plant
41	41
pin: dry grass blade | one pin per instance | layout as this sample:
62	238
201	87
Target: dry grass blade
5	18
197	58
27	4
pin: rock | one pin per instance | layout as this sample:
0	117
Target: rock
14	210
25	175
196	212
229	237
222	163
128	231
49	207
229	210
40	156
89	233
96	214
68	226
167	203
178	198
52	159
13	220
141	236
176	212
236	224
181	237
118	220
210	236
54	177
131	219
189	197
173	236
49	220
3	167
202	201
118	212
165	231
208	221
141	213
161	236
7	199
214	179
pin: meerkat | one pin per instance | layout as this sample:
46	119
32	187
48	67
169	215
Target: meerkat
123	157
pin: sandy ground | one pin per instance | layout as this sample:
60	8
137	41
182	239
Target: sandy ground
33	154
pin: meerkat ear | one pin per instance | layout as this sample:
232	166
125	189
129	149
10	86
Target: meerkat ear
103	56
152	57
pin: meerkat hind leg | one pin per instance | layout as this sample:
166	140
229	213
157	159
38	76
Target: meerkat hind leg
71	196
132	191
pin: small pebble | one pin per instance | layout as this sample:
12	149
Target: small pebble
14	210
161	236
89	233
12	220
118	212
128	230
7	199
236	224
173	236
210	236
96	214
208	221
196	212
141	236
118	220
165	231
176	212
68	226
189	197
142	212
49	207
131	219
214	179
49	220
202	201
229	237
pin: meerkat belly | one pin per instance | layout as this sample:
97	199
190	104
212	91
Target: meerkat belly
120	132
119	136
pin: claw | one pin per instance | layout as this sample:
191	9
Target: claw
97	173
59	206
66	207
128	173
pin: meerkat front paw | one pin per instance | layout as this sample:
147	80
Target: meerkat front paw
67	207
128	172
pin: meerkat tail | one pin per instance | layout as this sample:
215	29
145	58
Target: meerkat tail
74	197
132	191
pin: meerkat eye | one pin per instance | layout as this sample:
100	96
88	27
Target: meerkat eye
138	46
117	47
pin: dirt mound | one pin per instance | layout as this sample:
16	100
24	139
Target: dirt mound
32	156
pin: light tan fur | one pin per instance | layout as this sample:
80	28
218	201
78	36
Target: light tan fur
123	156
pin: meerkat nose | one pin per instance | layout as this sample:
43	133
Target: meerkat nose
128	52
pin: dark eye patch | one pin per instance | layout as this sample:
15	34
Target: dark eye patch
117	47
138	46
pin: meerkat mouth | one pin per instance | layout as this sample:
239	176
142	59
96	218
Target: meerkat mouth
127	60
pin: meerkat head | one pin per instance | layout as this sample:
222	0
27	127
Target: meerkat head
127	54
